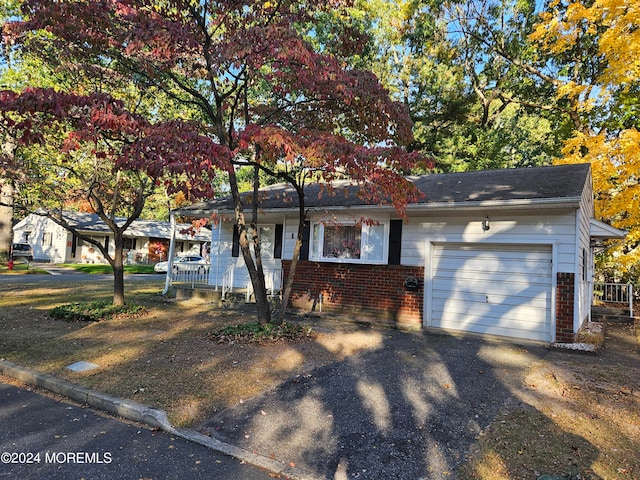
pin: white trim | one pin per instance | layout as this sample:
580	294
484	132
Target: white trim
364	237
427	320
554	287
603	231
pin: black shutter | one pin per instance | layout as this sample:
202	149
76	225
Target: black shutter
306	233
395	242
235	247
277	244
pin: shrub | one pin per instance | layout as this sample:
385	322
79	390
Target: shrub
255	332
93	311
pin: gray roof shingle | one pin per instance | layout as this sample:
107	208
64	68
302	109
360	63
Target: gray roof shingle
558	183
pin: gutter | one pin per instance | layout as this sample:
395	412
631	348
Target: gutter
542	203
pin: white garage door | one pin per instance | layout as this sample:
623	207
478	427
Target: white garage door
498	289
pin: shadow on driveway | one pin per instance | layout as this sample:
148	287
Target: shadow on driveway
410	409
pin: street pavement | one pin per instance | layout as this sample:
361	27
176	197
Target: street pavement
41	437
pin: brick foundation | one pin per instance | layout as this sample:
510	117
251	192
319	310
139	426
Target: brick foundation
565	300
372	292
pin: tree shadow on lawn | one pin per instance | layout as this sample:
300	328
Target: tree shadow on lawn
410	409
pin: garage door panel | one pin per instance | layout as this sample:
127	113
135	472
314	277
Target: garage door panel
508	254
507	289
484	311
494	289
482	324
496	285
531	269
531	332
539	300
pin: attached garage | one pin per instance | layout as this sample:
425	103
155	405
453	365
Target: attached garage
497	252
497	289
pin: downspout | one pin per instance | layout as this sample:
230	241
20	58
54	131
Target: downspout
172	249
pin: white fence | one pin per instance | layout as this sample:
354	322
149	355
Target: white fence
198	274
193	273
618	293
272	280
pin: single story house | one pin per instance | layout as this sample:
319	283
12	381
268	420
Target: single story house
146	241
501	252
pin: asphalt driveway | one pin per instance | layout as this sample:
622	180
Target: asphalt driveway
410	409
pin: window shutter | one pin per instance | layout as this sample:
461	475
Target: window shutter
395	242
235	247
306	233
277	241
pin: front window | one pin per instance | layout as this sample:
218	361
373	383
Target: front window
356	243
342	241
129	243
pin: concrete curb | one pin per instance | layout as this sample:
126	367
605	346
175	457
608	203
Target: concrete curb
153	417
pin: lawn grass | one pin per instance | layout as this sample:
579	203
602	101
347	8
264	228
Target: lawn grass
20	268
165	357
101	268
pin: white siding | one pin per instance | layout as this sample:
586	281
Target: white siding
584	273
551	227
39	231
222	259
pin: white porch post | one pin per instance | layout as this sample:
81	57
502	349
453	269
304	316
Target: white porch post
172	249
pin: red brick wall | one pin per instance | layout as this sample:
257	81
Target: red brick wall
565	299
372	292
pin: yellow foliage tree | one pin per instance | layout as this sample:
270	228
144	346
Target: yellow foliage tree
612	147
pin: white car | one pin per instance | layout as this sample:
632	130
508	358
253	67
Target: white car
188	263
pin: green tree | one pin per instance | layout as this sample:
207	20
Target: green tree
472	107
598	43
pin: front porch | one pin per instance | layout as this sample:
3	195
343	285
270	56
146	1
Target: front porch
234	283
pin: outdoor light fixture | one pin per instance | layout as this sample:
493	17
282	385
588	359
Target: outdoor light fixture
485	224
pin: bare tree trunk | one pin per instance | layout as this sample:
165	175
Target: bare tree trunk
262	299
302	216
263	310
118	271
6	218
6	202
288	286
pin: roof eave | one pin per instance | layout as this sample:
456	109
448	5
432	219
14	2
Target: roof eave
515	204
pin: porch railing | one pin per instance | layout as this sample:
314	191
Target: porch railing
272	280
193	273
198	274
614	293
227	282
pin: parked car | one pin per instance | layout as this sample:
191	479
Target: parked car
187	263
22	250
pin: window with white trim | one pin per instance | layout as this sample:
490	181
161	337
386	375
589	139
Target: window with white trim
349	242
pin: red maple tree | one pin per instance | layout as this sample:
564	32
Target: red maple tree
265	97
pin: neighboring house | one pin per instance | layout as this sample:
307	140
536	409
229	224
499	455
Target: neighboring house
146	241
502	252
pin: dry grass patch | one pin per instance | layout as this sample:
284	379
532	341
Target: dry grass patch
164	358
577	415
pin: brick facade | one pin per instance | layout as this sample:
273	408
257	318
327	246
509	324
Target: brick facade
565	300
373	292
